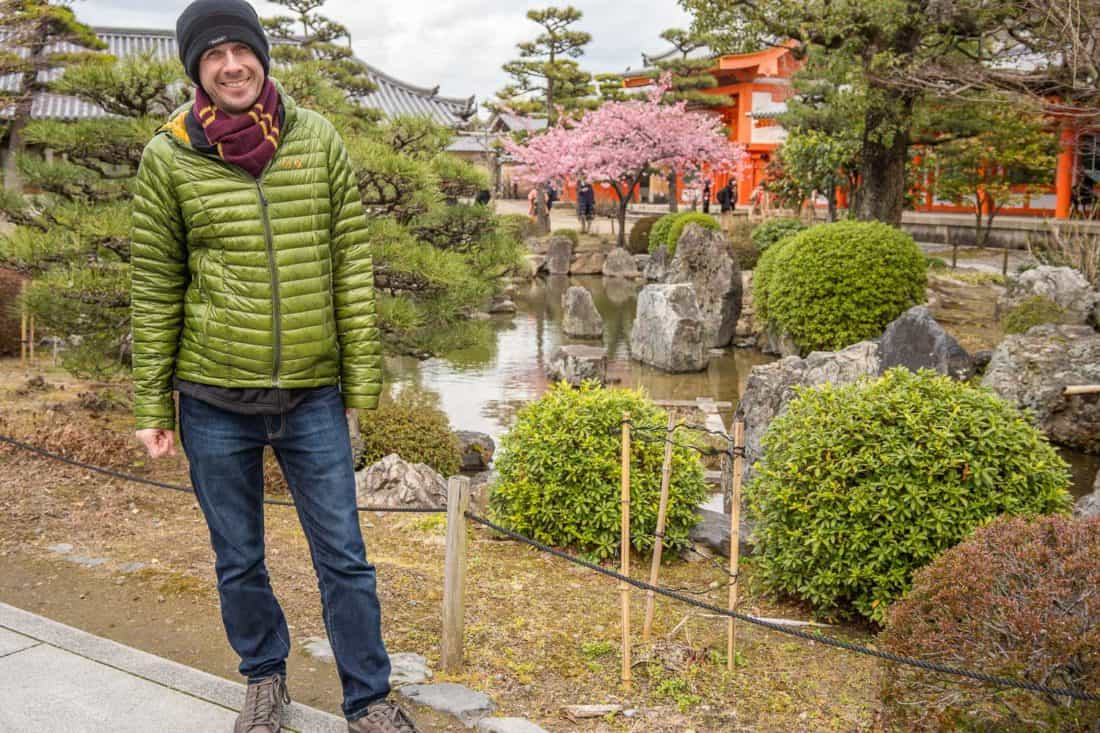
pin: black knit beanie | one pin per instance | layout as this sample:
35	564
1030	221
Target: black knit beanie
207	23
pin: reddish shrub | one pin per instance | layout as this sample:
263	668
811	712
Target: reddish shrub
1017	599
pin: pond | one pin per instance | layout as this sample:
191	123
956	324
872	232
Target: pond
482	387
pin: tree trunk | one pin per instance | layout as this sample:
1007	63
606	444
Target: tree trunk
14	148
884	155
673	193
542	214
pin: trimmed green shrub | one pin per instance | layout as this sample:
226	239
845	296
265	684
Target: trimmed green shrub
560	472
1033	311
688	217
769	261
862	484
517	226
571	234
936	263
840	283
638	243
658	235
412	426
774	230
1017	599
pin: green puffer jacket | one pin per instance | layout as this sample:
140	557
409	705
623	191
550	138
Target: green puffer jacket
239	282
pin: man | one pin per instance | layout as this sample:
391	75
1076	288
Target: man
586	206
727	199
252	293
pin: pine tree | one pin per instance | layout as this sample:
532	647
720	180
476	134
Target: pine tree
37	36
546	75
72	235
308	41
689	77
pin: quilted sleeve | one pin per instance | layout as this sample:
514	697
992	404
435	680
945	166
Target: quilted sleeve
353	286
158	281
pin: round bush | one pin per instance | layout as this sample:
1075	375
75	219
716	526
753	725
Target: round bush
842	283
688	217
1017	599
517	226
1033	311
559	472
775	230
769	261
862	484
638	243
658	235
570	234
413	427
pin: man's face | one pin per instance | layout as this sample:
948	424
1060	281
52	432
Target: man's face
232	76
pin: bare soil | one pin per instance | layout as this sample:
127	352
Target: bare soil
540	632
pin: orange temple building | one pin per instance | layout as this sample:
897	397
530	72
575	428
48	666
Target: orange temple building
760	83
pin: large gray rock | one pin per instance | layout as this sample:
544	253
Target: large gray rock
581	319
1064	285
477	450
575	364
916	341
770	388
712	531
1032	371
773	340
1089	505
620	263
454	699
703	259
668	330
657	267
587	263
393	482
408	668
747	328
559	256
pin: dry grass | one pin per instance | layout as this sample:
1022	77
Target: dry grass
540	633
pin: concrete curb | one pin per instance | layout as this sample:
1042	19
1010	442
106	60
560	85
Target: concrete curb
172	675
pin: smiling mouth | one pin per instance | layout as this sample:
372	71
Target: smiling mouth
239	84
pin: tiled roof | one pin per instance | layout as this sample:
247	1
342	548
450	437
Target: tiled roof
393	96
508	122
472	143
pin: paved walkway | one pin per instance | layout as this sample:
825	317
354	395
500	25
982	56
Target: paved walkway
57	679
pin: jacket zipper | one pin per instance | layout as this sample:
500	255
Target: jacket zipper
274	272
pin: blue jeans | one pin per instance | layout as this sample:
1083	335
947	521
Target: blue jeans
311	442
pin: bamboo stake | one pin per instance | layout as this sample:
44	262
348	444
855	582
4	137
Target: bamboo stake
454	574
1080	389
658	545
624	589
31	343
23	339
735	534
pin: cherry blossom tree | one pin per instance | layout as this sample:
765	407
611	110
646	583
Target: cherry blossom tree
621	142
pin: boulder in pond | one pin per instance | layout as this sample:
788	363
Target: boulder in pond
559	256
668	330
581	319
916	341
703	259
575	364
620	263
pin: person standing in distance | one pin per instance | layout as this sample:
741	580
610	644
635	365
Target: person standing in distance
253	296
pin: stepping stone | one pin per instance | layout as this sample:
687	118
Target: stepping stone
319	648
407	668
88	562
508	725
456	700
62	549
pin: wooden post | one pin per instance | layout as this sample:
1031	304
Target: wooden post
23	338
454	574
31	341
738	444
1081	389
624	588
658	545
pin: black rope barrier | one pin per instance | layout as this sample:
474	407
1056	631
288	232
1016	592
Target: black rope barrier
187	490
639	584
820	638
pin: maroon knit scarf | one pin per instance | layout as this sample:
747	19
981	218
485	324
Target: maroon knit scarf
248	140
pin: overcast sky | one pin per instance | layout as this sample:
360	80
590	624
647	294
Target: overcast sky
458	44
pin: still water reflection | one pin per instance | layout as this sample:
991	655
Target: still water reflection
480	388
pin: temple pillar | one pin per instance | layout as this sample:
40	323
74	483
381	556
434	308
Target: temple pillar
1063	182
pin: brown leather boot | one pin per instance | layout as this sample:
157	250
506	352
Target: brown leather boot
264	702
383	716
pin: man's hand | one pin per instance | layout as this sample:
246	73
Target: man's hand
158	441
